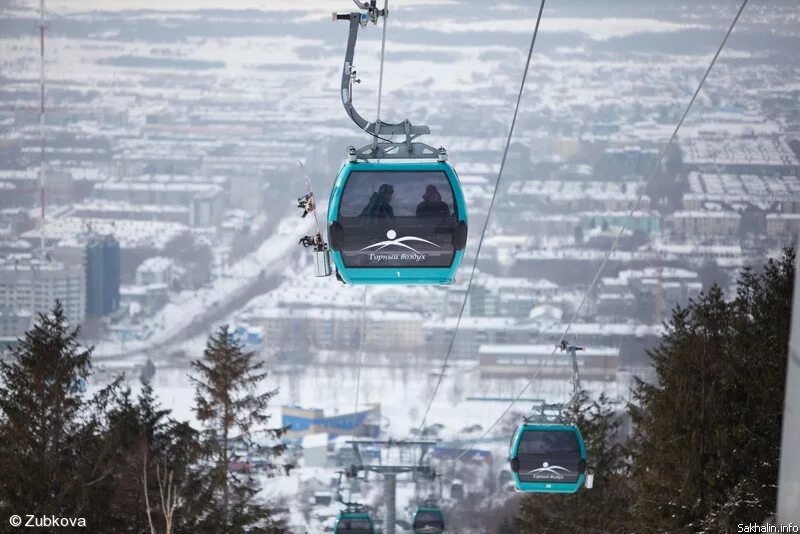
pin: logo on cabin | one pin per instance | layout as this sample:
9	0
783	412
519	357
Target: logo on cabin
402	242
550	472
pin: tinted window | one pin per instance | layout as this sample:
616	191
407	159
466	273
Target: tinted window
432	519
355	526
549	456
539	442
397	219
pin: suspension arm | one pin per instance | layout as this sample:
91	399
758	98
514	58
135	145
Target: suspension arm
349	77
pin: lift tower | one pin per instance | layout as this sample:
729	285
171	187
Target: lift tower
396	458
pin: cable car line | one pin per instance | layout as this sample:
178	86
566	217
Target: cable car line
361	348
619	234
376	133
572	350
380	72
449	352
364	296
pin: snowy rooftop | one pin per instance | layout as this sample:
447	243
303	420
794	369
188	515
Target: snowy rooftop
706	214
157	186
27	262
113	206
494	283
129	233
555	190
763	151
543	350
698	249
316	313
650	272
320	439
472	323
606	329
155	264
582	254
730	187
784	216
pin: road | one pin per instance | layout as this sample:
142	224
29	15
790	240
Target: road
254	274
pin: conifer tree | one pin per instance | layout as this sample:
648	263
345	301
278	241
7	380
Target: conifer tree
707	440
232	407
49	461
146	442
706	435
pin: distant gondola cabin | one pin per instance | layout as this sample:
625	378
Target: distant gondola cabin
353	523
547	458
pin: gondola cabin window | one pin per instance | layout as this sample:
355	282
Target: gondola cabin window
397	219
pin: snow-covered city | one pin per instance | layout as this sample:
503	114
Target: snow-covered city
153	158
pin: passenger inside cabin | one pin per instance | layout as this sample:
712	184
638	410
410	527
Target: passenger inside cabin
379	207
432	205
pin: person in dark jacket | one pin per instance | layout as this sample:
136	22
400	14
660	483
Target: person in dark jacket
379	207
432	205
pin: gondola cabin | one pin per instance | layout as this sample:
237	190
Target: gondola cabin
457	490
428	520
353	523
397	223
547	458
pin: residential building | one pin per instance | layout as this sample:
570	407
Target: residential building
29	286
705	223
102	275
594	363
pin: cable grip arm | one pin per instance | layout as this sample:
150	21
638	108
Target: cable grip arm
357	19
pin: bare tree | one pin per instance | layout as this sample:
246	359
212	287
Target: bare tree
146	491
167	492
169	495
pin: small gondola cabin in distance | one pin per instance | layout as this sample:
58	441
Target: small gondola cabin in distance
547	458
428	520
353	523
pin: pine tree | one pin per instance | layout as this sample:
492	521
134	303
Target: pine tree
49	445
147	443
707	433
232	410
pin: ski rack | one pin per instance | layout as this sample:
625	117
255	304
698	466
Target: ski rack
307	203
380	148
